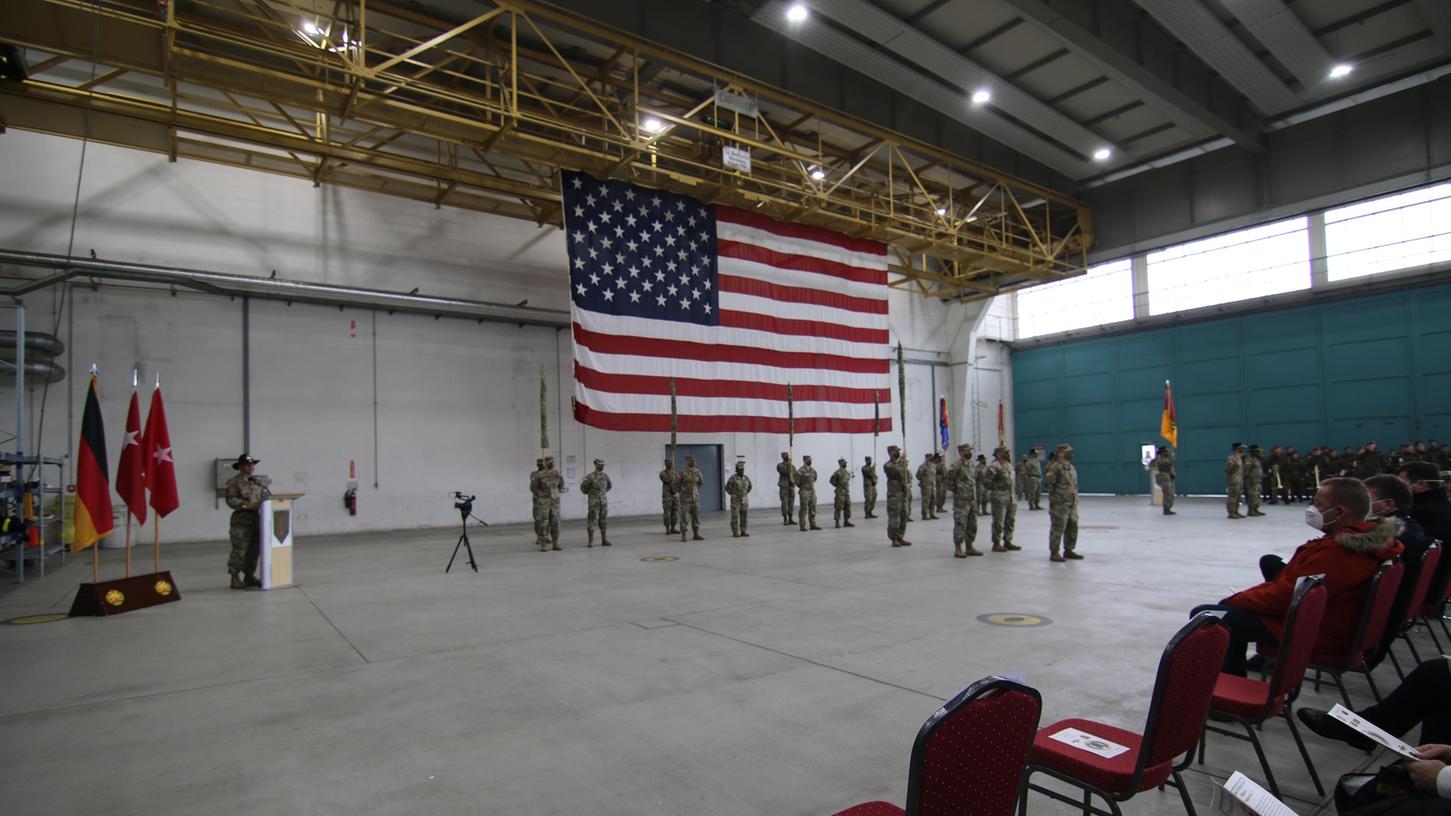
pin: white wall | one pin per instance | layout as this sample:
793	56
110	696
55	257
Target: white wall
457	402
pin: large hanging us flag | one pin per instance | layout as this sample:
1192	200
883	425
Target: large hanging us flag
734	306
93	483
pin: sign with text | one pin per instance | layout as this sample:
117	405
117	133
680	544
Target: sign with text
740	103
736	159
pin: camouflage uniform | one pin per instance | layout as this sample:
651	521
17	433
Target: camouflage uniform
1164	475
964	503
245	495
1032	479
927	480
841	502
1233	481
1005	510
898	479
669	496
595	486
689	482
1254	475
539	493
1062	483
979	472
806	484
786	482
941	482
738	487
869	489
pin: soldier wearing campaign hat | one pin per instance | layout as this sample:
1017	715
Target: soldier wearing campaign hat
245	494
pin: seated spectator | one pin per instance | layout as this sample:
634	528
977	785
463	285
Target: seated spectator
1347	556
1420	699
1390	497
1430	508
1408	788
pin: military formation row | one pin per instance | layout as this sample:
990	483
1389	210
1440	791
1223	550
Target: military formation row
975	487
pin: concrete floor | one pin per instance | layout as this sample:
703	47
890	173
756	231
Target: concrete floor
786	673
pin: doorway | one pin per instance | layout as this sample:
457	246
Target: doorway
707	461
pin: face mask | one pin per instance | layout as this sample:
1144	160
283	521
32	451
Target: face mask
1377	509
1315	518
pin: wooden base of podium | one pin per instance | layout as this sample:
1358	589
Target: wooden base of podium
125	594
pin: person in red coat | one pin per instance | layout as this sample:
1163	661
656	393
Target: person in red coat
1348	554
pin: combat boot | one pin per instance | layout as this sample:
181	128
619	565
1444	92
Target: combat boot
1071	555
971	550
604	542
556	545
591	541
1056	558
237	581
698	537
905	542
1235	515
543	545
896	542
252	581
837	524
1010	546
1170	513
1255	513
847	524
745	534
814	527
735	534
999	548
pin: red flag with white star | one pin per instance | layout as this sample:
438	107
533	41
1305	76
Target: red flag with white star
160	468
131	473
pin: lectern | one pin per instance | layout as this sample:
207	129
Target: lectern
276	543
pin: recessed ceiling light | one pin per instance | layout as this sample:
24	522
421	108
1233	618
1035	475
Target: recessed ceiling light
653	125
981	96
1102	154
1341	69
817	173
309	27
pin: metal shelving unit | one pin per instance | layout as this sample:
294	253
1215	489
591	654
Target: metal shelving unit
14	552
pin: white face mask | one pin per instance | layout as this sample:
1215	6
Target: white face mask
1315	517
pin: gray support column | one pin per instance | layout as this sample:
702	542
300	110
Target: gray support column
1140	267
1319	266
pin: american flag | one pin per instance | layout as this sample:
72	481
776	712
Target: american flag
735	306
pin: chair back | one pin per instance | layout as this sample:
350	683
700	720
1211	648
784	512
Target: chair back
1421	595
1380	594
970	755
1188	671
1302	626
1440	591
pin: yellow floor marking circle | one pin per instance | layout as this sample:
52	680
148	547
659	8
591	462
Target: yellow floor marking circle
49	617
1013	619
653	558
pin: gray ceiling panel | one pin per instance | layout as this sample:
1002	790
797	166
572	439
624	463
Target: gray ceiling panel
1213	43
1437	14
1277	28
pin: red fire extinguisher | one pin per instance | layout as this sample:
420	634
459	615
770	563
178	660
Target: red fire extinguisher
350	501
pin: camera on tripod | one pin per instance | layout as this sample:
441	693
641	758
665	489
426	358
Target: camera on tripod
464	504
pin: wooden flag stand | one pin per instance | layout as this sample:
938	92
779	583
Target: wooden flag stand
129	593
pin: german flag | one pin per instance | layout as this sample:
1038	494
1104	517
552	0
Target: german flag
93	485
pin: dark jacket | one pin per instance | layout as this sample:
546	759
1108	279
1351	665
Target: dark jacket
1432	510
1347	560
1416	543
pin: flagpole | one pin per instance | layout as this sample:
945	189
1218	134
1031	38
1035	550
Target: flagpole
95	545
674	422
156	524
902	401
128	509
790	422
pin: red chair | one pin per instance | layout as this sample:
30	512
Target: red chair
1420	598
1251	702
969	756
1436	600
1380	593
1187	673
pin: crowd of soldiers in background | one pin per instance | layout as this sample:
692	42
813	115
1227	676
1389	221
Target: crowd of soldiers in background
1290	477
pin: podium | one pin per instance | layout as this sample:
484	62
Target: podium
275	545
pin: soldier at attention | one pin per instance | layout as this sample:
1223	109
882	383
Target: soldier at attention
669	496
964	487
841	499
806	484
869	488
899	477
1000	493
927	480
786	484
738	487
1062	483
595	486
689	482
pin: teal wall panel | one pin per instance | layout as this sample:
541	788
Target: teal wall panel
1338	373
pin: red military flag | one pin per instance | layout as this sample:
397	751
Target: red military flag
763	326
1168	420
160	468
93	489
131	473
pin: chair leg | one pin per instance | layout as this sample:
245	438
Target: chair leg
1023	792
1087	802
1344	695
1264	761
1431	630
1184	794
1374	692
1203	738
1415	656
1317	681
1391	653
1305	755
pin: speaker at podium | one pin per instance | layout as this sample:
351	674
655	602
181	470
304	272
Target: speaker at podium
276	544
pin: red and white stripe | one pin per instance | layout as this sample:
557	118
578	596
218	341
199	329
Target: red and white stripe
799	306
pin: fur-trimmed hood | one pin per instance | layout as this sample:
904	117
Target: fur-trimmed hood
1375	537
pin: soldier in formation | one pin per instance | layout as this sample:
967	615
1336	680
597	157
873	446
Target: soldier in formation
1000	493
1254	476
1234	479
545	486
1020	477
869	488
941	492
927	480
595	486
786	484
979	473
899	479
689	484
1032	478
669	496
1062	483
1164	475
245	494
738	487
806	486
841	500
963	484
1299	481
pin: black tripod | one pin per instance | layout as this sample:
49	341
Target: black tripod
465	507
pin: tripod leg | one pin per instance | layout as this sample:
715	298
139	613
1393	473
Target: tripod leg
461	540
470	548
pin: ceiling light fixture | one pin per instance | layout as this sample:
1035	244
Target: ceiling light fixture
309	27
653	125
797	13
1341	69
817	174
1102	154
981	96
942	211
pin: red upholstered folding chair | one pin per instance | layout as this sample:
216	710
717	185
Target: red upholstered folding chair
1420	596
1187	673
969	756
1436	598
1251	702
1380	593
